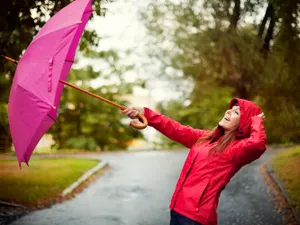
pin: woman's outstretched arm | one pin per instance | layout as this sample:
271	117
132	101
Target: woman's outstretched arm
172	129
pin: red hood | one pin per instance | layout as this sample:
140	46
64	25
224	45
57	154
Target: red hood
248	109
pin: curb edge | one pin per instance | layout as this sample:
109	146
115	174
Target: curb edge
83	178
282	189
8	204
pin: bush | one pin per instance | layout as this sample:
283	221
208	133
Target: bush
81	142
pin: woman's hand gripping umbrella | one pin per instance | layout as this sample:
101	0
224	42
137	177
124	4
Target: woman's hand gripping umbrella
40	78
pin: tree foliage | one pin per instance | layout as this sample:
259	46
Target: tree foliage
232	48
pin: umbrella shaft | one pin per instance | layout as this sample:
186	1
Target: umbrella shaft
9	59
77	88
93	95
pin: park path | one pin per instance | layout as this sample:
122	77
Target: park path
138	188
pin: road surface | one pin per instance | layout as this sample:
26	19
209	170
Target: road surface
138	188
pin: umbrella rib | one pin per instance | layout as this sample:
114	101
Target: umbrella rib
34	40
51	117
37	96
52	107
78	23
89	11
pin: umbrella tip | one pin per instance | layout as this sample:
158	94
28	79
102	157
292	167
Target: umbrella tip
20	164
26	161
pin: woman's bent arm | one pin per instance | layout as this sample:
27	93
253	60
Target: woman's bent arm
250	149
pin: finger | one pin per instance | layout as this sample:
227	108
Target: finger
130	114
129	111
125	110
261	115
133	114
136	113
137	108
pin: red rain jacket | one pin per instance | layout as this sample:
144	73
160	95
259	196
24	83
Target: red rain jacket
204	175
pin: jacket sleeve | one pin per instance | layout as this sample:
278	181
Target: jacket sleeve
250	149
184	135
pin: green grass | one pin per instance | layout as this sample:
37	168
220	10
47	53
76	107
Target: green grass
61	151
42	182
48	151
286	166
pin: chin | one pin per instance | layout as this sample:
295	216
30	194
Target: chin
222	125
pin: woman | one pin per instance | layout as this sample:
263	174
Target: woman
214	157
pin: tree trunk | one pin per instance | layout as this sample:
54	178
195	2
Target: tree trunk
270	31
59	139
263	22
4	143
236	15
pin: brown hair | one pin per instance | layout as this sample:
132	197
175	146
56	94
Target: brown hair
227	138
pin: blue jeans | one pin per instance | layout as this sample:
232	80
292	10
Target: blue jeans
177	219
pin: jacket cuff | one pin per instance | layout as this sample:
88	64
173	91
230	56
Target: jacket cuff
148	113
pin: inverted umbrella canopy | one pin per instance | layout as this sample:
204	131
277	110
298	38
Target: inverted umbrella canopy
36	91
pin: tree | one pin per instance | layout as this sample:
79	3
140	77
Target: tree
21	20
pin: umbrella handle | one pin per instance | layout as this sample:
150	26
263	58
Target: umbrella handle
142	118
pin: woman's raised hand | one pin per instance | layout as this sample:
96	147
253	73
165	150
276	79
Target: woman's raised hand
262	115
132	112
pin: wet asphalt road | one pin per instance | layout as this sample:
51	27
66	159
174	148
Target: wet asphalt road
138	188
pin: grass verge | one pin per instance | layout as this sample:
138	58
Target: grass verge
286	166
42	182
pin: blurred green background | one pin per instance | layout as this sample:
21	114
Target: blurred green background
209	51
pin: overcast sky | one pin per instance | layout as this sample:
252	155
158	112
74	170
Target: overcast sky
122	29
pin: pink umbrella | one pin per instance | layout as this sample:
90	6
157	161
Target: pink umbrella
40	77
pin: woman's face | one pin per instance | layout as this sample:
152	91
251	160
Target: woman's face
231	119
